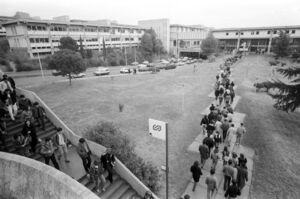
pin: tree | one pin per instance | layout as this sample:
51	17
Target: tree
4	47
282	42
151	45
67	62
68	43
81	49
209	44
287	94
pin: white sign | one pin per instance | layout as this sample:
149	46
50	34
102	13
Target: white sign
157	129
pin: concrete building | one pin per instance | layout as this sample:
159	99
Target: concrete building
41	37
255	38
161	28
4	19
186	40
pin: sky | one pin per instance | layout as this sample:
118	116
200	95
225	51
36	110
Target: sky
211	13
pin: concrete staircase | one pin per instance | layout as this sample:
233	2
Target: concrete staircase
119	189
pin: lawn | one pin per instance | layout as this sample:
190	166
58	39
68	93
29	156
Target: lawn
175	96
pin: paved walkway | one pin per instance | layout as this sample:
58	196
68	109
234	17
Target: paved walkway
201	189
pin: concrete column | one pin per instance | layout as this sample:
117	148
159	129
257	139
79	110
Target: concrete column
238	42
270	43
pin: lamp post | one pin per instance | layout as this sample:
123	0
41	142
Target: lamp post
41	67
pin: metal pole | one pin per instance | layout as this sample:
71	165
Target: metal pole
167	163
183	100
41	67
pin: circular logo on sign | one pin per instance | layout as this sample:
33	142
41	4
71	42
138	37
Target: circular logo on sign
156	127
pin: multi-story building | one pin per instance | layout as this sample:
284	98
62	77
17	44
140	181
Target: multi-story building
186	40
161	28
2	29
255	39
179	40
41	37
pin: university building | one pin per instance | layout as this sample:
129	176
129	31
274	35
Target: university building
255	39
41	37
178	40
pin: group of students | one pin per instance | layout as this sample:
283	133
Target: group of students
218	128
96	171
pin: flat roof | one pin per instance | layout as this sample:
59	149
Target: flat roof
188	26
68	23
256	28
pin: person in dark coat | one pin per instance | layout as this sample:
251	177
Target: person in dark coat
24	103
85	152
3	135
242	160
242	176
204	153
38	113
209	142
196	172
108	161
47	151
29	129
232	191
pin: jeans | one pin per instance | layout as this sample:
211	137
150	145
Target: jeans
53	159
86	161
13	110
227	180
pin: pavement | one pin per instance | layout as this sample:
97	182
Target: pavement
201	189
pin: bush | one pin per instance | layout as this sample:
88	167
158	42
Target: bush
24	67
108	135
295	55
203	56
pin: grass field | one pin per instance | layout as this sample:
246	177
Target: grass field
274	135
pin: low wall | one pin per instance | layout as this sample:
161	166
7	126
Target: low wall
96	149
22	177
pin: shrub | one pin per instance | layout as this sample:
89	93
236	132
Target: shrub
203	56
106	134
295	55
24	67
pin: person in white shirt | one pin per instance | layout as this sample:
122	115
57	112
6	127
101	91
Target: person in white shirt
61	142
241	130
230	134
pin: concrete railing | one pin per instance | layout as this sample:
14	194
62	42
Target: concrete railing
96	149
22	177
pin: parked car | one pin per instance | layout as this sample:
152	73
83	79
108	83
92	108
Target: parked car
79	75
56	73
101	71
170	66
124	70
135	63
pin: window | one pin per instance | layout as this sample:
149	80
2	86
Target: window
252	33
275	32
28	27
269	32
293	31
287	31
227	33
31	40
242	33
139	31
131	30
236	33
37	40
257	32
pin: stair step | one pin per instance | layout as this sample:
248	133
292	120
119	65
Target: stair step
111	189
120	191
128	194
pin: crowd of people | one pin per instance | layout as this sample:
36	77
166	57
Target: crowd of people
219	130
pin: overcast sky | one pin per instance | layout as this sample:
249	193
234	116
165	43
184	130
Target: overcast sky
213	13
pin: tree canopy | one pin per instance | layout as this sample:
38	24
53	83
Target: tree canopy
4	47
209	44
67	62
151	45
282	43
68	43
287	94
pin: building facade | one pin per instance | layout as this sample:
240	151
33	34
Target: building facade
41	37
161	28
186	40
260	39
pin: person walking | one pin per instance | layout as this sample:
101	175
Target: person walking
225	127
242	160
209	142
230	134
29	130
38	113
3	135
27	115
240	131
204	153
47	151
61	142
24	103
196	173
232	191
96	172
211	182
108	161
242	176
10	101
228	172
215	158
84	152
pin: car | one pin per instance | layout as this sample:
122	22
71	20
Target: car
135	63
101	71
56	73
124	70
142	65
79	75
170	66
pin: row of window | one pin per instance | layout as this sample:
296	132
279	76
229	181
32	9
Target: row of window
269	32
78	29
39	40
41	47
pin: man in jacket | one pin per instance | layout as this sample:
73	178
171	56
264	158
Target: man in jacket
38	114
61	142
232	191
211	182
24	102
228	172
84	152
47	151
204	153
108	161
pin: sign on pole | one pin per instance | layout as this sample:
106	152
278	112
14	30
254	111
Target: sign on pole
157	129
